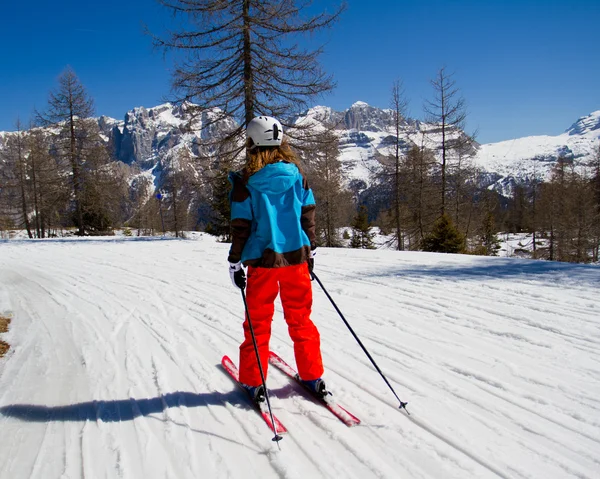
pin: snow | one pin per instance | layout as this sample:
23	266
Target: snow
116	344
518	156
168	117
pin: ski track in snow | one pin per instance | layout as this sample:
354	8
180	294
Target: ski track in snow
114	367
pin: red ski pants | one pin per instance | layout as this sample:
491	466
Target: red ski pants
293	285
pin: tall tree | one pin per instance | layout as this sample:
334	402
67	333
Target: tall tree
215	191
19	151
325	179
51	192
69	106
568	213
178	189
399	106
104	188
447	111
420	191
15	186
595	185
487	242
243	57
461	183
48	193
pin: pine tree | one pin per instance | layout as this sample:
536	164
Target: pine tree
219	187
362	236
242	57
490	242
220	225
444	237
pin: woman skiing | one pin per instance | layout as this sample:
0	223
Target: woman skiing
273	230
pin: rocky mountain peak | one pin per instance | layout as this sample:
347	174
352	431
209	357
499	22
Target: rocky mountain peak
589	124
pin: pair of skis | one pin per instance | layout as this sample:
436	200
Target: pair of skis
276	426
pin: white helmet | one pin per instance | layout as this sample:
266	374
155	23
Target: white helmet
265	131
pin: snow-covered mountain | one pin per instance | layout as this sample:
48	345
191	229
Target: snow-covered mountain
524	158
147	136
364	132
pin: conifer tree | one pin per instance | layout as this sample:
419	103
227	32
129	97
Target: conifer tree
218	188
490	242
220	224
362	235
243	56
444	237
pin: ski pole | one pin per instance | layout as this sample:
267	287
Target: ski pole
277	437
402	403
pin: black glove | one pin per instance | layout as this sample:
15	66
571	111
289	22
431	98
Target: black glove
237	274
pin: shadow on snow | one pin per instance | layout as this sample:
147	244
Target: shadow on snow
120	410
129	409
530	270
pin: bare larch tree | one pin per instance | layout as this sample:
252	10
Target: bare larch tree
448	112
324	175
399	105
69	106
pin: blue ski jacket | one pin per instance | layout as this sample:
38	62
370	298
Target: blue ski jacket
272	217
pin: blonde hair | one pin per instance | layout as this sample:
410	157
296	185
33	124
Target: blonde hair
257	157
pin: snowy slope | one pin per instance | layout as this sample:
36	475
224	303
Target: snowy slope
116	343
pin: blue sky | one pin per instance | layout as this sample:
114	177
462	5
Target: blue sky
524	67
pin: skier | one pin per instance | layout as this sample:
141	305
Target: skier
273	230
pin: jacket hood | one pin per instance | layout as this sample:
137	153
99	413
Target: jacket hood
275	178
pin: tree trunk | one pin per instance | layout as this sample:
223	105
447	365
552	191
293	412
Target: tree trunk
248	72
76	171
22	186
35	195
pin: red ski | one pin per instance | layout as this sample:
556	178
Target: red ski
338	411
232	370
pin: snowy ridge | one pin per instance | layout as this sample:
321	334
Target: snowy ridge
587	125
533	157
113	369
149	135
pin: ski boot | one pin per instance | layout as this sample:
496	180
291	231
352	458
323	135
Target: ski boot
317	387
256	393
